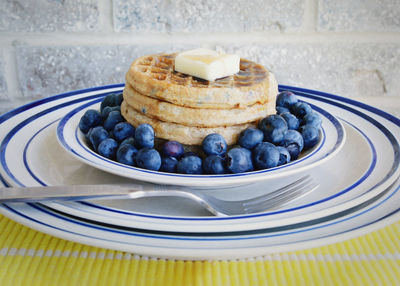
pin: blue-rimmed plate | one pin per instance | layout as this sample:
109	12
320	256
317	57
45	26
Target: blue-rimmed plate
362	169
356	195
70	137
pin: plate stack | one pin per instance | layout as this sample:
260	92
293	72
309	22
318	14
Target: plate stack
186	109
358	162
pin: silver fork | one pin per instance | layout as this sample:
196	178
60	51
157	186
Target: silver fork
271	200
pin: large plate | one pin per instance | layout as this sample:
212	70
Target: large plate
376	206
226	245
68	134
30	155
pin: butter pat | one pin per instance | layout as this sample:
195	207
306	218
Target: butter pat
207	64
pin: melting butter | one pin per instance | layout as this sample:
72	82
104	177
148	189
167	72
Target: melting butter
207	64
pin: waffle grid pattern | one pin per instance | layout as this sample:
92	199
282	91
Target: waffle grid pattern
161	68
154	76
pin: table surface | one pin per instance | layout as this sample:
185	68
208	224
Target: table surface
29	257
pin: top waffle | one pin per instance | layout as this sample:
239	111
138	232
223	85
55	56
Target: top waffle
154	76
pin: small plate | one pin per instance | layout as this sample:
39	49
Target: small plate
73	140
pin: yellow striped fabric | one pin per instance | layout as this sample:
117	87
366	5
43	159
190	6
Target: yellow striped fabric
29	257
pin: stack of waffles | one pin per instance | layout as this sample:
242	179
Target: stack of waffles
183	108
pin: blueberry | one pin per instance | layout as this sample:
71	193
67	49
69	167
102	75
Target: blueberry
214	144
265	156
126	154
97	134
286	99
310	135
281	109
107	101
108	148
118	98
168	164
111	99
274	128
238	160
300	109
173	148
284	155
91	118
106	111
313	119
250	137
214	164
144	136
123	130
291	120
190	165
148	158
113	118
129	140
190	153
293	142
87	136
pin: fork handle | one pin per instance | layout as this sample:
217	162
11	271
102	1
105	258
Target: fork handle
79	192
97	192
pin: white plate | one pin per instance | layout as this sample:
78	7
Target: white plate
30	155
379	210
70	137
192	246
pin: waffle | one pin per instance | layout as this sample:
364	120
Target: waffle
188	135
154	76
168	112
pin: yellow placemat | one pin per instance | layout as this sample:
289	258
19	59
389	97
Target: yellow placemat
29	257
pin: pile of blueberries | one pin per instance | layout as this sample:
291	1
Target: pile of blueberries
279	139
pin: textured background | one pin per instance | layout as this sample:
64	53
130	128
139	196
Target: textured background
351	48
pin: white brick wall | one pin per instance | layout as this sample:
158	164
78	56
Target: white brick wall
351	48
